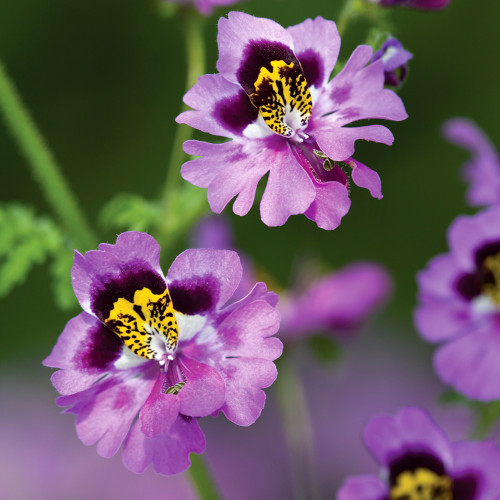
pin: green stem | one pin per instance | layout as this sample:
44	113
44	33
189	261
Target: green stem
43	165
202	478
298	429
172	193
347	14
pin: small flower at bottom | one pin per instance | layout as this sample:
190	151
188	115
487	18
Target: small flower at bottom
459	305
419	462
273	100
166	349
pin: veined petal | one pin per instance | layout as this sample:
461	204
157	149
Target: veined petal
203	280
317	45
237	35
106	410
168	452
85	351
289	189
330	205
219	107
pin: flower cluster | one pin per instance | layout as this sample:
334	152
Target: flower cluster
273	100
167	349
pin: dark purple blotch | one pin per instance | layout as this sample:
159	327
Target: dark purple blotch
100	348
135	276
257	55
312	66
196	295
412	460
236	112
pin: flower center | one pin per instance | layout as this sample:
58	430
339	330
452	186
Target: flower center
282	97
491	282
147	325
422	484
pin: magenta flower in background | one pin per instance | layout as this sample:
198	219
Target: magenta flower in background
168	350
415	4
273	101
205	7
395	60
482	172
459	305
337	303
418	461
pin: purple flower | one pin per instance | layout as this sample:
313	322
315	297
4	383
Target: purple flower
415	4
338	302
273	101
205	7
394	58
459	304
418	461
166	355
482	172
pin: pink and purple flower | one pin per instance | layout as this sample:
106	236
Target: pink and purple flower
459	305
418	461
273	100
395	60
482	172
167	350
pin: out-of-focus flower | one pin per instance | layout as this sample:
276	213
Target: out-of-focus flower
418	461
482	172
205	7
337	302
394	58
415	4
459	304
169	350
273	101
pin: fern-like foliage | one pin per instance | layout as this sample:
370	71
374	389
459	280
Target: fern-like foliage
27	240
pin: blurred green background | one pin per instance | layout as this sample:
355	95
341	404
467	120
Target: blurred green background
104	82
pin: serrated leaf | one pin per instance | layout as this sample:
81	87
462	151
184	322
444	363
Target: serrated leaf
61	276
130	212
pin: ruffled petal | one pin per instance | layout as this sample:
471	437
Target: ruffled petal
332	202
202	280
168	452
470	363
229	169
363	488
235	35
367	178
85	351
106	410
219	107
411	429
289	189
338	142
317	45
204	390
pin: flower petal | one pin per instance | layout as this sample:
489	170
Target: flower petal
317	45
106	410
85	351
363	488
330	205
367	178
203	279
168	452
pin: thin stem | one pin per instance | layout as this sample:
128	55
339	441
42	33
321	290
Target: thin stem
43	165
202	478
298	429
347	14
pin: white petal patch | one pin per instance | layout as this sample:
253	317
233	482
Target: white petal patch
191	325
258	129
128	359
484	304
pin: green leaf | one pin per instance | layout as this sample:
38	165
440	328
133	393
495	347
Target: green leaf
61	274
325	348
130	212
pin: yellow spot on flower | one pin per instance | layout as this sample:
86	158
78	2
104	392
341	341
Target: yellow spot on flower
422	484
141	323
283	97
492	265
